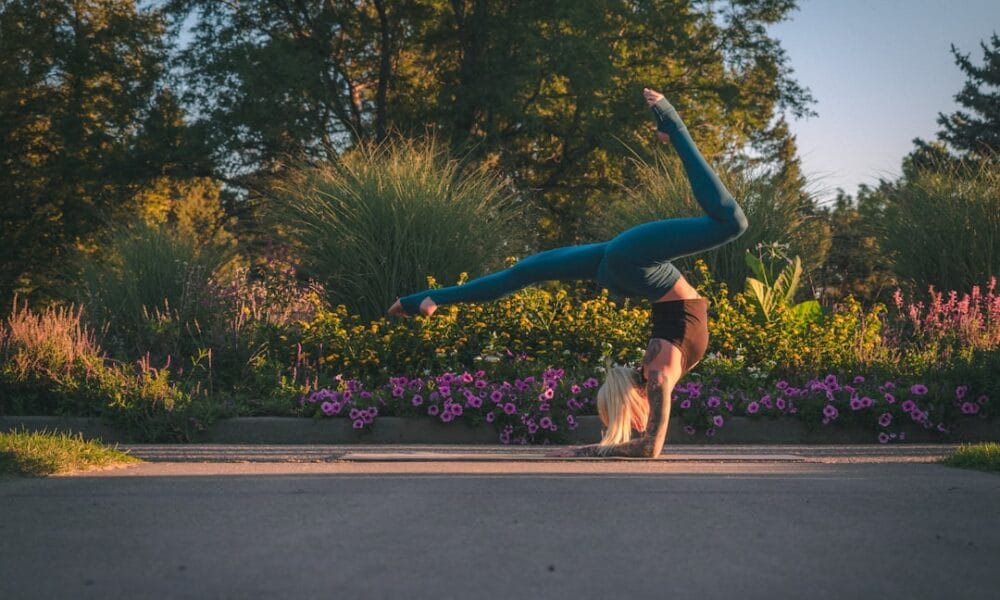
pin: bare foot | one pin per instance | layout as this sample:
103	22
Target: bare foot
652	96
427	308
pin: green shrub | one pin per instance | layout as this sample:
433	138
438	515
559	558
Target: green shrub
151	288
942	225
374	225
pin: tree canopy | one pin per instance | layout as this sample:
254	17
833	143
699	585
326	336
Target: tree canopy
548	92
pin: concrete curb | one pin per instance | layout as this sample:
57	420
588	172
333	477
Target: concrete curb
422	430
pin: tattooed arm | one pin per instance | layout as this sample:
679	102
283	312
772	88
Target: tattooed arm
662	367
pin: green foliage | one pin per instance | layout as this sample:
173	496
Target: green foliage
975	131
941	225
374	224
77	81
50	364
983	457
529	330
856	264
542	90
767	291
774	212
148	280
37	454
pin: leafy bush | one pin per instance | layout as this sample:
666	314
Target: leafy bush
374	225
942	225
52	365
151	285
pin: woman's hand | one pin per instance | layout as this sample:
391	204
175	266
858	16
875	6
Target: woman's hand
567	452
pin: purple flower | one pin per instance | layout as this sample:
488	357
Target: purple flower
358	423
546	423
710	431
544	407
856	403
883	438
885	419
866	401
366	395
475	402
574	389
908	406
445	391
714	401
467	377
456	409
889	385
889	398
831	380
753	408
509	408
327	408
942	428
729	405
480	384
496	396
590	383
355	414
571	420
859	379
532	427
490	417
781	385
689	430
447	417
970	408
718	420
685	403
960	392
830	411
433	410
983	399
417	400
780	403
918	389
397	392
371	411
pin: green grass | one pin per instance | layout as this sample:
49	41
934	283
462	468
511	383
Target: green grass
32	454
983	457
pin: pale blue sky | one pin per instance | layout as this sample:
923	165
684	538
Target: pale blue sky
880	71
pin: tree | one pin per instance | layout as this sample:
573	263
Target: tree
545	91
975	131
77	80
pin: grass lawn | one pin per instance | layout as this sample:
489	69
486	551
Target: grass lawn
39	454
984	457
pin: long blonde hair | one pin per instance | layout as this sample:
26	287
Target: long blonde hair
621	406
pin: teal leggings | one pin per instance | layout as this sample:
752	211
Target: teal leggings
635	263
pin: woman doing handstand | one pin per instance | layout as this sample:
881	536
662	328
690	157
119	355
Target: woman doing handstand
636	263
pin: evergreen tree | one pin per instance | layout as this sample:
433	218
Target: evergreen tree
975	131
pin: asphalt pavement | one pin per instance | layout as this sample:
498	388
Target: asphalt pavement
488	522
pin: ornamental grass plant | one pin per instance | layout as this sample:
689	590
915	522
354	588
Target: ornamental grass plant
373	225
941	225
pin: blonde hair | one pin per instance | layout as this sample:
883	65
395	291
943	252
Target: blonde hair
621	405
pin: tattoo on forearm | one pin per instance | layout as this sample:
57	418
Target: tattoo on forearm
652	350
651	442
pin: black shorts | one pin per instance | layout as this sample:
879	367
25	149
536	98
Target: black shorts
683	323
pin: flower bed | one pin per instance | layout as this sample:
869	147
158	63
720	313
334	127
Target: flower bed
536	410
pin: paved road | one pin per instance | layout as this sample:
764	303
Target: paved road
502	528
